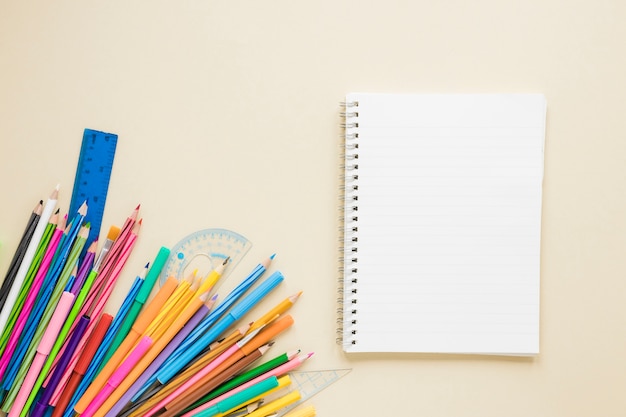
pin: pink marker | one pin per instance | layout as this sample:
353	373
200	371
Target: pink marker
43	349
118	376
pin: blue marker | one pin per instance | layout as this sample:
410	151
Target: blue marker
245	305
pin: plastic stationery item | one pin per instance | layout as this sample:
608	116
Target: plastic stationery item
309	383
204	250
93	172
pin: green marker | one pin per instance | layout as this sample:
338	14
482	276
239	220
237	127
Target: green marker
25	288
245	377
239	399
71	261
138	303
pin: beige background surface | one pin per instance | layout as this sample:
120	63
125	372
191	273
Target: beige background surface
227	116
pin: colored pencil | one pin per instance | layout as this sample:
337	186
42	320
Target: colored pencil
28	280
100	300
20	251
49	309
79	307
272	407
28	257
30	298
277	310
43	348
61	338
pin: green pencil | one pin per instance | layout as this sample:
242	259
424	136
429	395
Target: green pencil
30	276
238	380
72	259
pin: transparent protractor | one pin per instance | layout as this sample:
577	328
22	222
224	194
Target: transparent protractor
203	251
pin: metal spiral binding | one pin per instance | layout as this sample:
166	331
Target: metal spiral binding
348	247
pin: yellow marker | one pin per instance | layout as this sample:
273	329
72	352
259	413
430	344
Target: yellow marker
276	405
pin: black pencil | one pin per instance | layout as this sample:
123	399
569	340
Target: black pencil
20	251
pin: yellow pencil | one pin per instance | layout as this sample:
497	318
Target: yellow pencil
280	308
276	405
212	278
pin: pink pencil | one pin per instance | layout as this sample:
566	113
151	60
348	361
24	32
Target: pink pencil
278	371
118	376
43	349
100	303
31	297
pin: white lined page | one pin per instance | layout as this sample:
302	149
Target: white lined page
449	223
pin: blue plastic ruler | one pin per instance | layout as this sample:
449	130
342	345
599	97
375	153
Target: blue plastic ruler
93	173
204	250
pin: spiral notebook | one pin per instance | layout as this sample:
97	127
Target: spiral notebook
442	223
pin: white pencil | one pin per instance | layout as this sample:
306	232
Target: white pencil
28	257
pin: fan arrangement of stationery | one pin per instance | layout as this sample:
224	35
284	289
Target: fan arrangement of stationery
183	352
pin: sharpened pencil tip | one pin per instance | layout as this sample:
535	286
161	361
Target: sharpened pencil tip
147	265
273	256
226	260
